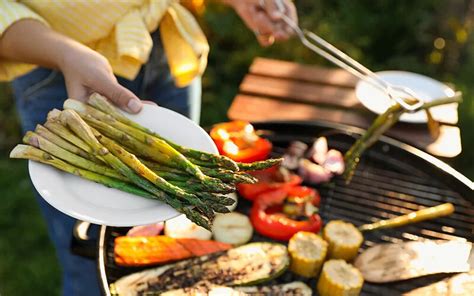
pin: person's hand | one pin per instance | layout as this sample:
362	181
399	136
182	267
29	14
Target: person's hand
86	71
265	19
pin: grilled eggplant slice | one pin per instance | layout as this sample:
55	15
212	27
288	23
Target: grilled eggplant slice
293	288
246	265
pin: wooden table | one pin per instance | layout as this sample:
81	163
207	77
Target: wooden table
281	90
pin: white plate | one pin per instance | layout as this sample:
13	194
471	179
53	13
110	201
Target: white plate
95	203
427	88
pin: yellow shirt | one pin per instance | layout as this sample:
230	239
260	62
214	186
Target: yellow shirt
119	30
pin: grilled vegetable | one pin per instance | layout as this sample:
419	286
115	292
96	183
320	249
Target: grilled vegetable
53	138
331	160
293	154
384	263
30	152
339	278
344	239
238	141
418	216
281	213
142	251
313	173
293	288
37	141
146	230
102	104
249	264
307	251
182	227
232	228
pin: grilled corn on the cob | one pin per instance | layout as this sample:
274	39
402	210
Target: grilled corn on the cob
339	278
344	239
307	251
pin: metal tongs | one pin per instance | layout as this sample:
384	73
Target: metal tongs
397	93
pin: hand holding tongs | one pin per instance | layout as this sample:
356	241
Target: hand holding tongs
320	46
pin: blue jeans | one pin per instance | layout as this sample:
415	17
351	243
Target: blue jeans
41	90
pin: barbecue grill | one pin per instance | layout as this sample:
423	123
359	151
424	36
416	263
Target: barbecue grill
392	179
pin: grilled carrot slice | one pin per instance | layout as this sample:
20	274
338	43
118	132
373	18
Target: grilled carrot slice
142	251
202	247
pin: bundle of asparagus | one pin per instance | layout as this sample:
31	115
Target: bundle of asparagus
97	142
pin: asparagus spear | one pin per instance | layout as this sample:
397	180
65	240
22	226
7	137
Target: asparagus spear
259	165
37	141
52	137
150	140
32	153
101	103
224	175
137	147
63	132
380	125
229	176
143	171
201	192
142	149
80	128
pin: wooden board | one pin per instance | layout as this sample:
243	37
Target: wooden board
299	91
280	90
294	71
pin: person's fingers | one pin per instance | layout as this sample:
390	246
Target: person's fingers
265	40
264	28
76	90
262	22
120	96
272	9
274	13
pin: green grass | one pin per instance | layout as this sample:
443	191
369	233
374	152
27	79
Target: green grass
27	259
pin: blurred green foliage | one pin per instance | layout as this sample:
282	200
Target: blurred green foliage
431	37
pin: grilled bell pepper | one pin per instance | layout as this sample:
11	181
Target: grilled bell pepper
238	140
268	180
270	216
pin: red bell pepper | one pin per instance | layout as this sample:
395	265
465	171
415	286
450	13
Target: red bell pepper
269	219
238	140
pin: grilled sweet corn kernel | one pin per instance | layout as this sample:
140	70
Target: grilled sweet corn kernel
307	251
339	278
344	239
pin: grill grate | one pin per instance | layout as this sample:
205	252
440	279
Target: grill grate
388	182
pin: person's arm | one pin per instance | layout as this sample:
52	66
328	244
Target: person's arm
264	18
85	70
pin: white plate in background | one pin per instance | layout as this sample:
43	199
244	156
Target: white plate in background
427	88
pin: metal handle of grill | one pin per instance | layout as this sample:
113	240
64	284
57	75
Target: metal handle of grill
82	243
